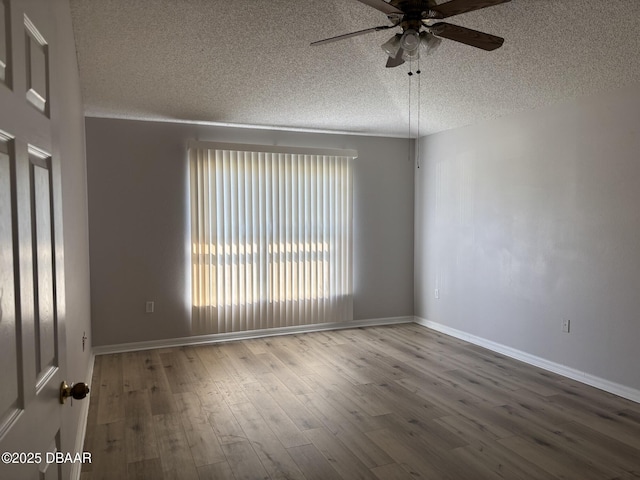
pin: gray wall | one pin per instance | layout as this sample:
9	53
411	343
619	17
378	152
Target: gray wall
69	131
529	219
138	206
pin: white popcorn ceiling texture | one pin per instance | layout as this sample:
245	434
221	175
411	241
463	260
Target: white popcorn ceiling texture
248	62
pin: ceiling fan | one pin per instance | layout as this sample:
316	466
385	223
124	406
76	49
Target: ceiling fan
421	30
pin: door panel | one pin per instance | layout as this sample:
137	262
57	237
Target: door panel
51	470
37	66
31	255
9	394
44	269
4	41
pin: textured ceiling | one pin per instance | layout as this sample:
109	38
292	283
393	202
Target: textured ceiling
249	62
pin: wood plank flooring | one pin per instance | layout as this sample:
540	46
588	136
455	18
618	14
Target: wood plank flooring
396	402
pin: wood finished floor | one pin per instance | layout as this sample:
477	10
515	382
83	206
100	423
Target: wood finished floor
397	402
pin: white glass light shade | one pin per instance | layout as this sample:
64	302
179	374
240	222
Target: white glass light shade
411	55
392	45
410	41
429	43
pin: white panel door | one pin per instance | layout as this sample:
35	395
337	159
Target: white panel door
31	248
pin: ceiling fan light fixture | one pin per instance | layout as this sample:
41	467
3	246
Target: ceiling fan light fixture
392	45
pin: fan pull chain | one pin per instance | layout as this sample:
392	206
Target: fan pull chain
409	132
418	72
419	109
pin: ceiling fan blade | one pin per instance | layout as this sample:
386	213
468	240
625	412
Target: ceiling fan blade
383	6
456	7
397	60
467	36
352	34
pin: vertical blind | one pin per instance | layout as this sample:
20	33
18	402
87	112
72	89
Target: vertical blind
271	237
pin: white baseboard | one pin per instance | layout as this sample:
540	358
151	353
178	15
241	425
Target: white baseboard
227	337
578	375
76	467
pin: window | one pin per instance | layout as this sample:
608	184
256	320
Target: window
271	237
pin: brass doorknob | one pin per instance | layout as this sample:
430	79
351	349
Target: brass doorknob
77	390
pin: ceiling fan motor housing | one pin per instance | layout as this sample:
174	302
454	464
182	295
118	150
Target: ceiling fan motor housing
413	9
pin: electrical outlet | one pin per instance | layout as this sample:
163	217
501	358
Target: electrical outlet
566	324
149	307
436	293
